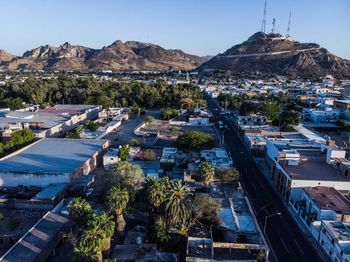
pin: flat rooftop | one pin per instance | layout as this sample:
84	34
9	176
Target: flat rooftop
51	155
14	117
68	109
328	198
315	170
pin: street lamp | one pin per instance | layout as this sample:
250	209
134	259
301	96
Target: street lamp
266	217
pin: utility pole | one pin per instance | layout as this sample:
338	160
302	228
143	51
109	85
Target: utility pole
263	24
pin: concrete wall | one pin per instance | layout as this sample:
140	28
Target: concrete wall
13	180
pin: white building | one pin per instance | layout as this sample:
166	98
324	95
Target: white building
111	158
218	157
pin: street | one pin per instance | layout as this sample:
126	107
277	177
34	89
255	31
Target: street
286	239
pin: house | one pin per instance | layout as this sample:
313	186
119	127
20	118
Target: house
111	158
238	236
218	157
251	124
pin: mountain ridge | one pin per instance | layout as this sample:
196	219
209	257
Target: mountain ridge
131	55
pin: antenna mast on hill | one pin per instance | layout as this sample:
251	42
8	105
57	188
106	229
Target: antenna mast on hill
273	25
263	24
288	28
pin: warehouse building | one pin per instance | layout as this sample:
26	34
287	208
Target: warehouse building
51	161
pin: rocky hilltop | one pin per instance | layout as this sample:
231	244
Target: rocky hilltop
273	53
4	56
130	55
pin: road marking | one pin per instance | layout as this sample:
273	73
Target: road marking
284	244
300	249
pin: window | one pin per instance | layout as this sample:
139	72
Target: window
322	242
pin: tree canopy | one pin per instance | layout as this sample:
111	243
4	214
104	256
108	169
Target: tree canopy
195	140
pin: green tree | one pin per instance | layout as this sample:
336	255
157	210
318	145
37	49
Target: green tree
289	118
206	208
19	138
229	174
75	133
118	199
157	191
149	120
178	204
207	172
272	110
162	231
80	211
129	176
134	142
168	113
92	126
106	224
195	140
124	152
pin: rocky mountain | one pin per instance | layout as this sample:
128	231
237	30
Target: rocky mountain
5	56
130	55
273	53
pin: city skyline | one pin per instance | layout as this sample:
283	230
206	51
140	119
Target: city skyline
196	27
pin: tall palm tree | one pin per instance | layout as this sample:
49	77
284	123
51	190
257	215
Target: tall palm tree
178	205
207	172
118	199
84	252
81	211
156	192
107	224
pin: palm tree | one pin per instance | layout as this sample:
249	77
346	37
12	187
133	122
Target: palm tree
107	225
178	204
118	199
207	172
84	252
81	211
156	192
161	230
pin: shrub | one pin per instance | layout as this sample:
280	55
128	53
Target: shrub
93	126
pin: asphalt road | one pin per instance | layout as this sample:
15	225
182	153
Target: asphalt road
286	239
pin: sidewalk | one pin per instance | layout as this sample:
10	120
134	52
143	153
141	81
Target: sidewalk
267	173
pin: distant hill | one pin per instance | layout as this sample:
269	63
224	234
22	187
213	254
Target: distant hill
118	56
5	56
273	53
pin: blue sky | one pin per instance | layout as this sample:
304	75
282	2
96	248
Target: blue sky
201	27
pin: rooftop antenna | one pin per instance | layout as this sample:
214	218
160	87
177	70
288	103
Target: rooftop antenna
263	24
288	28
273	25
